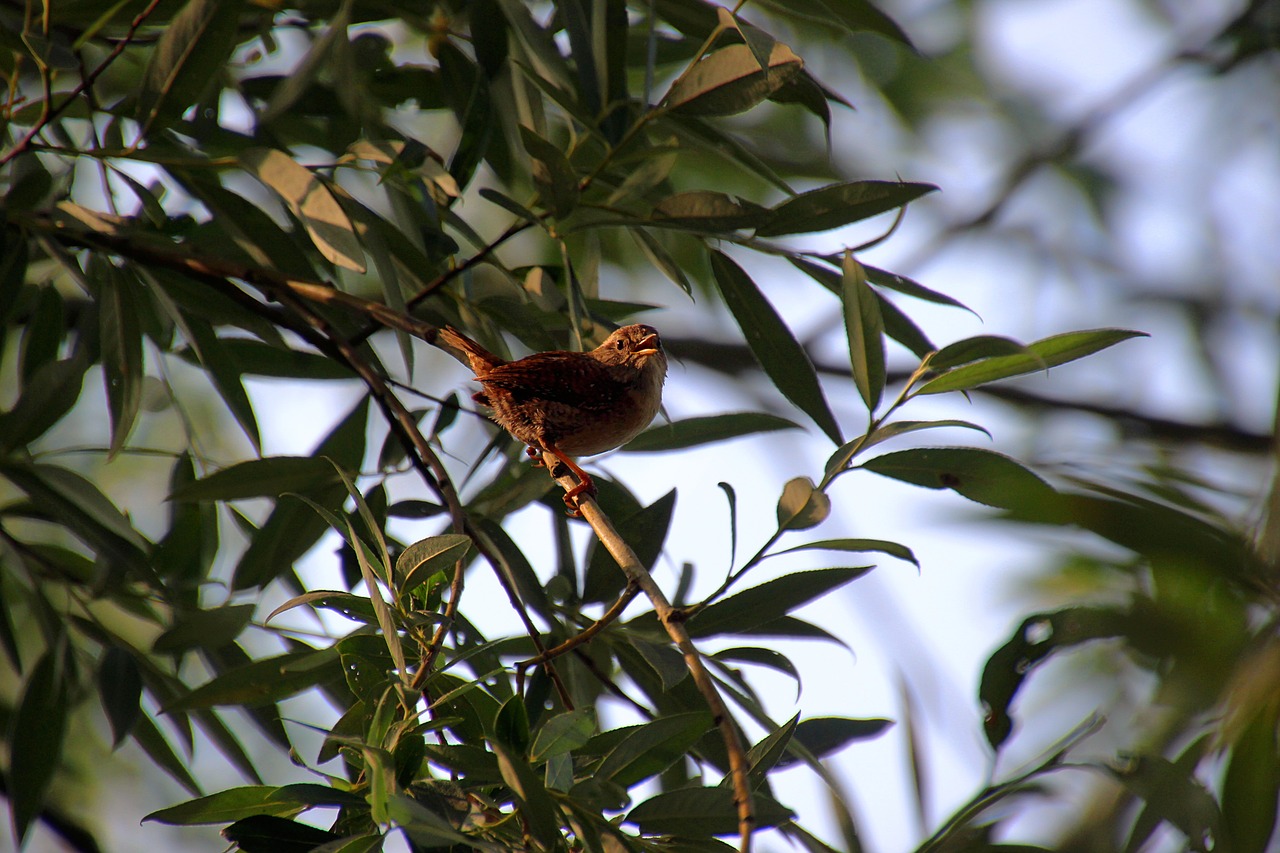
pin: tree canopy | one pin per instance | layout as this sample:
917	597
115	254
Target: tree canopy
213	205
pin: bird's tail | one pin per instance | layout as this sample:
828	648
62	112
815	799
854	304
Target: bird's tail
460	346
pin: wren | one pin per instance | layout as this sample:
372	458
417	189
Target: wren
571	403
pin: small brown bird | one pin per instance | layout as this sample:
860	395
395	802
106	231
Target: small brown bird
572	403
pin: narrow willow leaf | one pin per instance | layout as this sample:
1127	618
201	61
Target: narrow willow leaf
552	172
776	661
909	287
708	429
269	832
730	81
802	505
646	532
706	210
975	349
427	556
355	607
760	605
386	621
980	475
257	478
1038	637
210	628
846	453
703	813
262	681
185	62
562	734
824	736
865	330
537	809
1042	354
732	497
311	202
836	205
768	752
651	748
760	42
224	807
153	742
120	300
1175	795
771	342
509	204
902	552
37	731
661	259
120	689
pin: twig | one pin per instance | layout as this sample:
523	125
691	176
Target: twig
672	620
585	636
50	113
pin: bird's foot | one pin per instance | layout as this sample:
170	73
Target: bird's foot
586	487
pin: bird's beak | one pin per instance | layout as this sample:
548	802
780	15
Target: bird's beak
649	345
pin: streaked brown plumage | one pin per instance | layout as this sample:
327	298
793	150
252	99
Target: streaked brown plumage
572	403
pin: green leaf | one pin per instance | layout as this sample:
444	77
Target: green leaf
902	552
649	749
355	607
311	201
511	727
210	629
1037	638
980	475
864	328
552	172
256	358
537	810
772	343
768	752
802	505
270	477
730	81
50	393
186	61
1040	355
703	813
974	349
426	557
120	689
753	608
708	429
646	531
292	528
158	749
706	211
836	205
37	730
776	661
423	825
661	258
225	807
562	734
120	305
1251	785
848	451
263	681
825	736
270	834
77	504
1174	794
910	287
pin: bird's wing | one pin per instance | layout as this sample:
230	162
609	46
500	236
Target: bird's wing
560	377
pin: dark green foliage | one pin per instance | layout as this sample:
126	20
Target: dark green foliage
198	229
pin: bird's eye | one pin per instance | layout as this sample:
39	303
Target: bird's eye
621	344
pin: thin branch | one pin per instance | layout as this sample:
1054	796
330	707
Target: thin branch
50	113
673	619
585	636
